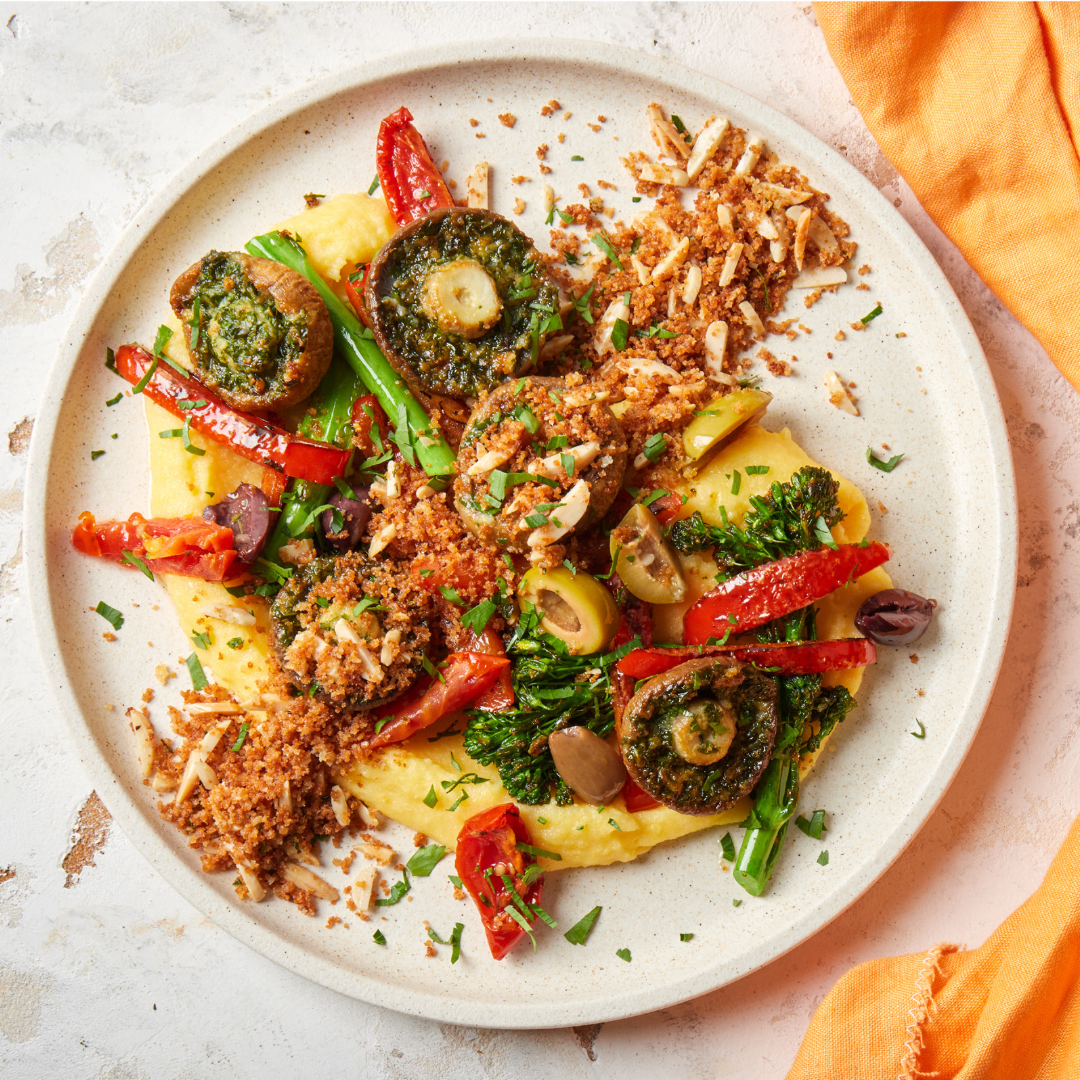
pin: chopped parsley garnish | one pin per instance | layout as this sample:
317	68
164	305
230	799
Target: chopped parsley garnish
114	400
244	728
425	859
477	618
656	493
735	902
635	245
199	680
620	334
460	799
235	643
870	317
814	825
110	361
132	559
884	466
374	186
736	482
581	304
110	614
431	669
576	157
757	470
601	242
430	799
448	592
623	954
538	852
823	858
568	218
455	940
544	821
500	482
397	891
201	639
380	724
455	881
579	932
527	417
140	386
464	778
921	733
164	335
168	433
614	824
657	331
686	937
567	461
378	938
95	454
635	198
680	127
727	847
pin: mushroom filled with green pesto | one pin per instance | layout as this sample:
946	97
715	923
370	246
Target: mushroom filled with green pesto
258	333
697	737
351	630
539	459
459	302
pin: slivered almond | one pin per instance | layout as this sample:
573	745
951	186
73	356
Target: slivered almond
755	144
477	187
393	485
641	269
656	172
574	504
705	145
303	878
802	231
726	220
583	455
363	889
207	776
554	346
715	346
491	460
284	797
602	342
227	613
213	708
382	539
692	285
383	854
251	882
340	805
730	263
753	320
345	631
839	395
665	134
391	646
297	552
586	396
819	277
672	260
648	369
373	672
144	740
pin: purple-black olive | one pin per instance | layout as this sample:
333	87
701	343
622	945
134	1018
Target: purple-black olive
894	617
249	515
355	514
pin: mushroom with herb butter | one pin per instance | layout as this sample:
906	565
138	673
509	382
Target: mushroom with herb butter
459	302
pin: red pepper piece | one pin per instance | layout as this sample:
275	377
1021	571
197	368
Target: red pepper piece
191	547
250	436
366	414
501	696
467	675
488	840
354	290
636	799
755	597
666	508
791	658
411	184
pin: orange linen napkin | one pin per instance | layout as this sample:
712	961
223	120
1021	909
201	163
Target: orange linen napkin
978	107
1009	1010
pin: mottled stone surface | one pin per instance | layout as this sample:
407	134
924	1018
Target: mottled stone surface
116	976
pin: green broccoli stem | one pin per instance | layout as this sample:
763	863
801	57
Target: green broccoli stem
774	807
354	343
333	398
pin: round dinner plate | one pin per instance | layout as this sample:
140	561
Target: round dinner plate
923	389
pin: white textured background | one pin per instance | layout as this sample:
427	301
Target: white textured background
105	972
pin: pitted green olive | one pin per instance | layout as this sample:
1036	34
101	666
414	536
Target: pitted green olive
644	560
575	608
702	733
719	419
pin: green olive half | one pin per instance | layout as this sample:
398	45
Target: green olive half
575	608
459	302
644	560
258	332
720	419
697	737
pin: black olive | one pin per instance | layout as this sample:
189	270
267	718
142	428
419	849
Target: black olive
894	617
355	513
247	512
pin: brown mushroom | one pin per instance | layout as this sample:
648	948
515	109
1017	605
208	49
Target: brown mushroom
258	333
590	765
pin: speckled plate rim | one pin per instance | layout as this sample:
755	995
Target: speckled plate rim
631	999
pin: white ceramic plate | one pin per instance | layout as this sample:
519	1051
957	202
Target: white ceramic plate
950	521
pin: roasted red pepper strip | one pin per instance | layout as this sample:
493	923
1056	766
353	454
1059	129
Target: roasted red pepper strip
467	675
411	184
488	840
191	547
636	799
667	508
366	414
254	438
755	597
354	290
792	658
501	696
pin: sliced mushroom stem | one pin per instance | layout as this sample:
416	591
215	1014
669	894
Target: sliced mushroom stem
461	297
702	734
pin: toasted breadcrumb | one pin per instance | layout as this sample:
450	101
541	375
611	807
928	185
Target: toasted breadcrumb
550	108
507	119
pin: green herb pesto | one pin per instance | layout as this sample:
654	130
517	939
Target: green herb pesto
245	342
448	363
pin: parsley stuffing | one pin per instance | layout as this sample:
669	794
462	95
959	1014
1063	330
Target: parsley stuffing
578	933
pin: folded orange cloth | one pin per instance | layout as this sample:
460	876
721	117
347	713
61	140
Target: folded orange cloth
978	107
1009	1010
